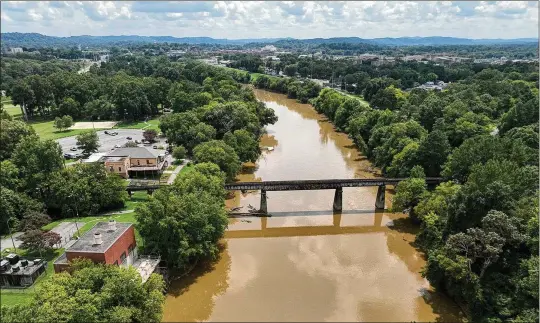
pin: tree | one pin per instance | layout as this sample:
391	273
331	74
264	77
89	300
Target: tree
84	188
93	293
36	160
33	220
22	95
184	223
433	151
9	175
409	193
290	70
68	121
63	123
130	100
219	153
11	133
150	135
88	141
37	239
69	107
521	114
14	206
131	144
179	152
245	145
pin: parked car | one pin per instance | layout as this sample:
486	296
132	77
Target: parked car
73	149
67	156
116	146
155	147
106	132
137	142
129	138
114	133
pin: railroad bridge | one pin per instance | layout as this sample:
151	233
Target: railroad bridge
303	185
323	184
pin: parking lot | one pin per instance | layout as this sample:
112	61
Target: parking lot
108	142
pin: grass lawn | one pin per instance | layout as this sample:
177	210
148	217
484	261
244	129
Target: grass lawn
172	167
150	124
20	296
186	169
46	130
12	110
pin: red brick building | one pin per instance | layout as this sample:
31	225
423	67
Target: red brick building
109	243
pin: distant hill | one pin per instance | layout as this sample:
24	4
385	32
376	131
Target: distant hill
39	40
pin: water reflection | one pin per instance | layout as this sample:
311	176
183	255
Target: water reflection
306	262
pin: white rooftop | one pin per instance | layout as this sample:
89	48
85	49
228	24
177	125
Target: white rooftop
94	157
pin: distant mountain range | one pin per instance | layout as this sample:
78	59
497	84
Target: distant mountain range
39	40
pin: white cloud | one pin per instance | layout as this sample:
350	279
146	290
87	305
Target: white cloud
252	19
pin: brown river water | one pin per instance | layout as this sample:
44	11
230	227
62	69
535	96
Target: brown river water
305	262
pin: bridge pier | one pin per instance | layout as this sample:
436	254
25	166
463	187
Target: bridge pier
129	193
381	194
264	206
338	199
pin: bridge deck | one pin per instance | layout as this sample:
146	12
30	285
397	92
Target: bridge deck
314	184
321	184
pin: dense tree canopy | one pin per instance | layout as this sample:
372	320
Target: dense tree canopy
183	223
93	293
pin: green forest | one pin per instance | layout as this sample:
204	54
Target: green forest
479	229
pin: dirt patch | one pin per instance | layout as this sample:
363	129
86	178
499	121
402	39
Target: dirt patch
96	125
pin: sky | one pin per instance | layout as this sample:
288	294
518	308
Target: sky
273	19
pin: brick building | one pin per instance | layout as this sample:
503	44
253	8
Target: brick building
133	161
109	243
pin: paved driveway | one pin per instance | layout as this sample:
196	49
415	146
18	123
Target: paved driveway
7	243
107	142
66	230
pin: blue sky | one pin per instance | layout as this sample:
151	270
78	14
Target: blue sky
302	19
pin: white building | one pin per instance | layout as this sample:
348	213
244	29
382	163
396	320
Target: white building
269	48
16	50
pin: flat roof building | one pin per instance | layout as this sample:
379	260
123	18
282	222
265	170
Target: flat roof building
109	243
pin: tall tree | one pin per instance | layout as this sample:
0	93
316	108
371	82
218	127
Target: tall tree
88	141
219	153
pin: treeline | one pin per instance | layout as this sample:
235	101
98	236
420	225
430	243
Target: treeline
355	76
14	69
296	89
479	229
124	89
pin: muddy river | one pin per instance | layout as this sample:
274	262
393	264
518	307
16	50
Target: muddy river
305	262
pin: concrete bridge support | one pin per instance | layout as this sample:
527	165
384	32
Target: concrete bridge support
381	194
264	205
130	193
338	199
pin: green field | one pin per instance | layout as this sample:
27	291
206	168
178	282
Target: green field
46	130
186	169
150	124
12	110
